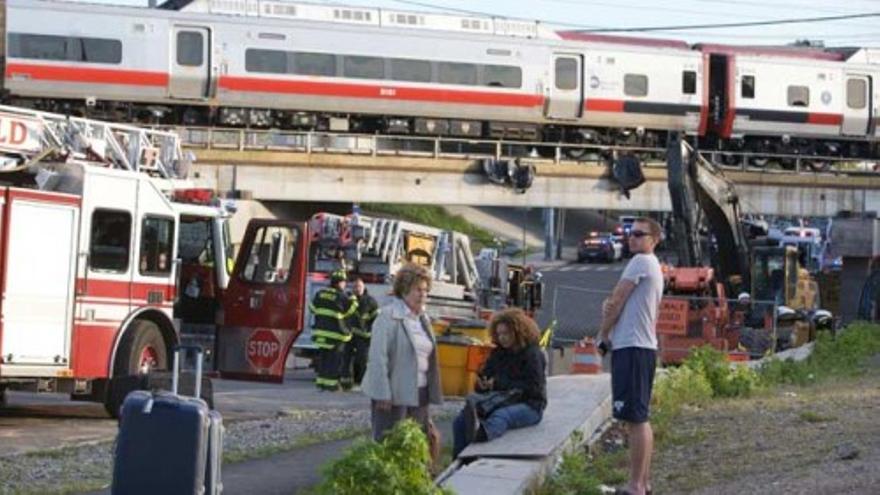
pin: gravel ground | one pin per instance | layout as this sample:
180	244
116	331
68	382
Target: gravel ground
88	467
820	440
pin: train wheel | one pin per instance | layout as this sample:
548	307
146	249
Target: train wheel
759	162
818	165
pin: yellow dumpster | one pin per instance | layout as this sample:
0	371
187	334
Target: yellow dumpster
476	329
460	359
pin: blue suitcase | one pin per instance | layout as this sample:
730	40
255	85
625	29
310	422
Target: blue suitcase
167	443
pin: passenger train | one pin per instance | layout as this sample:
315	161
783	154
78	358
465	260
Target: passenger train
274	64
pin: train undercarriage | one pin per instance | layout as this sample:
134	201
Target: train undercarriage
580	143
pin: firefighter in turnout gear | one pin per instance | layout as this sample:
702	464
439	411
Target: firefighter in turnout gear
361	324
331	309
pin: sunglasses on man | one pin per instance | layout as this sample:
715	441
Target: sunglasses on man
638	234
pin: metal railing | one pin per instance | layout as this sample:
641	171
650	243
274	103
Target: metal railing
436	147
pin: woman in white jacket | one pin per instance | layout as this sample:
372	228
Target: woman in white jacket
403	376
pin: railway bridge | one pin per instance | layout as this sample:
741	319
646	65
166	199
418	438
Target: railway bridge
314	166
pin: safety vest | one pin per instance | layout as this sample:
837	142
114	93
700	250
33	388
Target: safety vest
330	309
367	310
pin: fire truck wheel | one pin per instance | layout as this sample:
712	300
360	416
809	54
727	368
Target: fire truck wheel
142	350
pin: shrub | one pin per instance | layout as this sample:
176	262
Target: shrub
678	387
724	379
844	354
399	464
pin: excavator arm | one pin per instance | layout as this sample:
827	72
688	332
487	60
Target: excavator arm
697	186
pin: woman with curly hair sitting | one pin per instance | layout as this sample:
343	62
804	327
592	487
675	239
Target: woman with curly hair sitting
516	363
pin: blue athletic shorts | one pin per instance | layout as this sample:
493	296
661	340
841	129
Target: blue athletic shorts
632	380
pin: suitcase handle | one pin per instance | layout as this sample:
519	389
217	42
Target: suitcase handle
175	374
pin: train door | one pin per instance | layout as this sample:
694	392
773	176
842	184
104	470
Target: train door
566	92
190	62
857	110
719	96
264	304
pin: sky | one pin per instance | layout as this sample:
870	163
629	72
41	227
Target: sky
617	14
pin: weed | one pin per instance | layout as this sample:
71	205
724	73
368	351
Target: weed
812	417
573	477
845	354
399	464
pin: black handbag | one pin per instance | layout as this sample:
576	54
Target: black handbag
486	403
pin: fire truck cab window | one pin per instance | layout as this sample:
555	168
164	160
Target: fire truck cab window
271	255
196	245
157	239
110	241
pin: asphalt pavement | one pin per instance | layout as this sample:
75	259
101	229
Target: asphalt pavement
573	295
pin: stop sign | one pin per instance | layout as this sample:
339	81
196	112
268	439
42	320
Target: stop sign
263	349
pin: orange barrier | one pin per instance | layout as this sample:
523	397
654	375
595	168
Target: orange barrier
737	356
586	360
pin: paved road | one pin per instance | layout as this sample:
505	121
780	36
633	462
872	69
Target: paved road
573	295
33	422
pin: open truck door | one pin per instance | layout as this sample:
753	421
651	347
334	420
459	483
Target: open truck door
264	303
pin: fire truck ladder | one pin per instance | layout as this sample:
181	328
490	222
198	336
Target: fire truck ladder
125	147
378	246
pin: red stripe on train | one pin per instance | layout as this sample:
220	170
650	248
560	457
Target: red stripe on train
319	88
825	118
600	105
82	74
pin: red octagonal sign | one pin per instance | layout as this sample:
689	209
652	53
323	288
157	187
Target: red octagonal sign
263	349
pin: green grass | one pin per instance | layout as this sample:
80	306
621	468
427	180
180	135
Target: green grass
706	376
812	417
435	216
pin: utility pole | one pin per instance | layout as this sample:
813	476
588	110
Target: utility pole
549	233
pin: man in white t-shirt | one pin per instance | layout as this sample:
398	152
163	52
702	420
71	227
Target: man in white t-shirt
629	318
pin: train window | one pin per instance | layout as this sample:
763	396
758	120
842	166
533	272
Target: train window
410	70
314	64
98	50
502	76
157	238
110	240
38	46
635	85
566	73
456	73
363	67
271	61
190	48
748	87
798	96
46	47
689	82
856	93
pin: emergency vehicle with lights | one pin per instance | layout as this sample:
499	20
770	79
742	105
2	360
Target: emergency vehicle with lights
108	256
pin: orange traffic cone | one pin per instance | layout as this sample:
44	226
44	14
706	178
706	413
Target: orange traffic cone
586	360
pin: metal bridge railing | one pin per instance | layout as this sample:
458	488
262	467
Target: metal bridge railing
465	148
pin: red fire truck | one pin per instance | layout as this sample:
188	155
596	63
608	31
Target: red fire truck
107	258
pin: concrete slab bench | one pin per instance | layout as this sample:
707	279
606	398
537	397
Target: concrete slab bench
522	457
